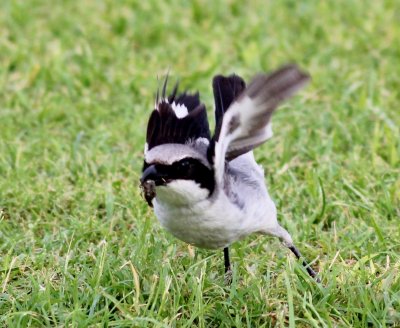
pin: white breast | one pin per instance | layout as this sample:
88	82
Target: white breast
204	224
209	222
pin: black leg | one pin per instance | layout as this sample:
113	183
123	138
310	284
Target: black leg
226	260
310	271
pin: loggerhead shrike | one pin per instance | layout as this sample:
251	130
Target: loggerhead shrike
210	191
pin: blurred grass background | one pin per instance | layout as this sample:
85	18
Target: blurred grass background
78	245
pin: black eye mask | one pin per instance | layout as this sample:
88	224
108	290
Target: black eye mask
185	169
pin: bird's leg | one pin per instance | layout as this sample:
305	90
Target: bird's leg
288	242
310	271
227	262
228	271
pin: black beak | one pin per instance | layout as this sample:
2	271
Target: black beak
154	173
150	173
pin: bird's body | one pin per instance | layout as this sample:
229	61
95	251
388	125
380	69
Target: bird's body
225	217
209	191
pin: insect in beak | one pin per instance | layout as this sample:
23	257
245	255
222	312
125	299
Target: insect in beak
152	176
149	191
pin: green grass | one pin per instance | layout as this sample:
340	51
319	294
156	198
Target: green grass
78	245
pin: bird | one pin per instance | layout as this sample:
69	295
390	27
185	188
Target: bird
209	191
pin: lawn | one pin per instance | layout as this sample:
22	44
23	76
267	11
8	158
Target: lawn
78	245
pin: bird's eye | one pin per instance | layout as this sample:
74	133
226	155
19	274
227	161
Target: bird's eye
184	164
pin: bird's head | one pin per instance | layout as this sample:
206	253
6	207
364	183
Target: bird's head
176	168
177	173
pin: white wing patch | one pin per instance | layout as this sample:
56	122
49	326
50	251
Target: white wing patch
179	109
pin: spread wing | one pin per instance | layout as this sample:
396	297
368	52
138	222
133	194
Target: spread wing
178	118
245	124
225	89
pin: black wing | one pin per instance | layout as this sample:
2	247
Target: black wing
165	126
226	89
